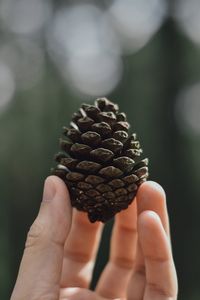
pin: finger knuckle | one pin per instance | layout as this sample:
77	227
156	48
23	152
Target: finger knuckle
161	291
83	294
124	262
36	234
139	270
46	296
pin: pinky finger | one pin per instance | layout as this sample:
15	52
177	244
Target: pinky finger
161	280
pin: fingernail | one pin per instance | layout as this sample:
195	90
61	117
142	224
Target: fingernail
49	190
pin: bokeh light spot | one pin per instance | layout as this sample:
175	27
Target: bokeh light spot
26	58
187	110
96	74
187	15
135	21
79	44
24	16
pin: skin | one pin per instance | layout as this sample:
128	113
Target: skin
62	244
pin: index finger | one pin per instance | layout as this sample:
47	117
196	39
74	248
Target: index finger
80	251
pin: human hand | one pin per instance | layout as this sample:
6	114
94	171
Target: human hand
62	244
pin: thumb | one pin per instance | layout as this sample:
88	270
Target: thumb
41	265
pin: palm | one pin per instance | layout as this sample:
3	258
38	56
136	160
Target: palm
140	264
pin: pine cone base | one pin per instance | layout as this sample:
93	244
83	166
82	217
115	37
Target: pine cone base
100	162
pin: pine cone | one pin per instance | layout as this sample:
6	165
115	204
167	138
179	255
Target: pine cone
99	161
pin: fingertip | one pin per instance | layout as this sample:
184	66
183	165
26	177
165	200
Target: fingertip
151	196
150	227
60	203
148	219
152	235
151	188
59	185
56	180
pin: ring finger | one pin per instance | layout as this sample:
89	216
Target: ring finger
149	197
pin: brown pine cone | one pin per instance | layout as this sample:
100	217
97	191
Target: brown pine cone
100	161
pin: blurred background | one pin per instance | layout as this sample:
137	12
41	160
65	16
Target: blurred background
142	54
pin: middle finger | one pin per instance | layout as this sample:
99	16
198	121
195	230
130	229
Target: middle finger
115	277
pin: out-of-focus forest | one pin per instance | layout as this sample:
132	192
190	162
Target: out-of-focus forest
142	54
